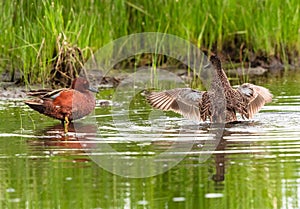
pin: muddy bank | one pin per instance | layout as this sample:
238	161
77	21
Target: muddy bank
17	91
12	85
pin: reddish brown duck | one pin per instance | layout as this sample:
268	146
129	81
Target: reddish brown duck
65	104
246	100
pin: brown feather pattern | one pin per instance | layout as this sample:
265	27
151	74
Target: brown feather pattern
247	99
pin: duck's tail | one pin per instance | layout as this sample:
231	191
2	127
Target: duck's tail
36	104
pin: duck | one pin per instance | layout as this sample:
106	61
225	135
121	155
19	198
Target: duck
65	104
219	104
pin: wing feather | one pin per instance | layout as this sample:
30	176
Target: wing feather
184	101
256	97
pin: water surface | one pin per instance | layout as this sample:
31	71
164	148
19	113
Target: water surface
255	164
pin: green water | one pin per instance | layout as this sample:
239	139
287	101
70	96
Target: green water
255	165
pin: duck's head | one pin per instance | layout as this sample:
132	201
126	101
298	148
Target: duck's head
215	61
82	84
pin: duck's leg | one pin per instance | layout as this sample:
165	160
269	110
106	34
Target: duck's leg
66	124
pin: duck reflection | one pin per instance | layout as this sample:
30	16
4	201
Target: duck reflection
77	140
220	155
210	143
219	176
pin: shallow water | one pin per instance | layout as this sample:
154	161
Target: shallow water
151	159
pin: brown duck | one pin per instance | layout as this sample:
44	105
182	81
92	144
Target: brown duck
219	104
65	104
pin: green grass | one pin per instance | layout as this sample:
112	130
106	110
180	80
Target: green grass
29	29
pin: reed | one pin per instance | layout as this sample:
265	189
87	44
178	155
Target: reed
29	28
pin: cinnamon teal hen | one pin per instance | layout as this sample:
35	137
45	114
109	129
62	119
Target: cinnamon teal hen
246	100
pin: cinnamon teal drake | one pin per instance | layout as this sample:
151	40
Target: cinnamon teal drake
246	100
65	104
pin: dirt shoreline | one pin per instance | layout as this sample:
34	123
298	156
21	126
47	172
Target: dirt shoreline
13	91
12	86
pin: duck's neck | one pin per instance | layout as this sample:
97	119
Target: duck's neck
220	82
223	78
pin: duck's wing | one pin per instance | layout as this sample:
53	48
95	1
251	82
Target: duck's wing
45	93
44	96
256	97
38	93
184	101
53	94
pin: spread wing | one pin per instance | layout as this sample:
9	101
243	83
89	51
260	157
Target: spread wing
256	97
184	101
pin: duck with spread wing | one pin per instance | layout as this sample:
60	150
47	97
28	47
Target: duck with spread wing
246	100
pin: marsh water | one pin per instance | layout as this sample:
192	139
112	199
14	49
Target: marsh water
149	159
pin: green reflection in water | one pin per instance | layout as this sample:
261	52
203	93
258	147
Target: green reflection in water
32	180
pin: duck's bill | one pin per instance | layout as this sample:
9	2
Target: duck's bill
93	89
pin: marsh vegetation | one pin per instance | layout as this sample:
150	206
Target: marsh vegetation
248	32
